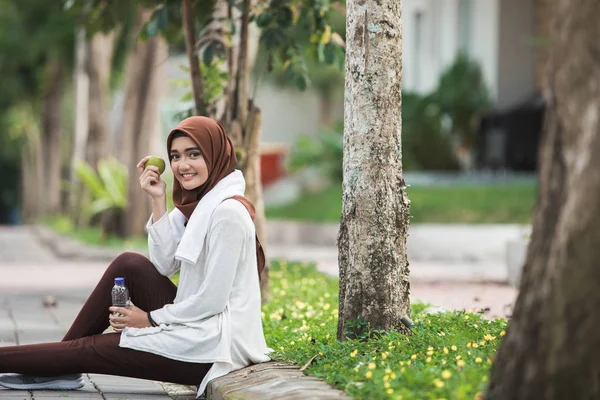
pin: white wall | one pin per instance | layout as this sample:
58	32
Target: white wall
439	39
516	56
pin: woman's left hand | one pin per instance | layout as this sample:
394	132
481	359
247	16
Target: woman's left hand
132	317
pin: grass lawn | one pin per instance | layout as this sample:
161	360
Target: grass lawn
498	204
447	357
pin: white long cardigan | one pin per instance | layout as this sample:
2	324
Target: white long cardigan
216	315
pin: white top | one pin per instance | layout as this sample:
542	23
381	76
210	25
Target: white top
216	315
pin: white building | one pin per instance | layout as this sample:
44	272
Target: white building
496	33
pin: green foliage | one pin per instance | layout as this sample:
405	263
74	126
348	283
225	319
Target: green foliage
324	153
463	96
448	355
214	81
293	32
510	203
426	145
107	185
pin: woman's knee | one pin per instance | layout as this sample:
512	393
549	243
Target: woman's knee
130	262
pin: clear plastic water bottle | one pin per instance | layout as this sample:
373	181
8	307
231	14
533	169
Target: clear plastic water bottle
120	294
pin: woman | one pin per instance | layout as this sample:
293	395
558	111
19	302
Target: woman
207	326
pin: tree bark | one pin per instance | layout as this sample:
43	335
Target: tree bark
550	350
51	134
99	58
141	119
251	171
374	270
189	30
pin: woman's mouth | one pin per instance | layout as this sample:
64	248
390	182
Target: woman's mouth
188	177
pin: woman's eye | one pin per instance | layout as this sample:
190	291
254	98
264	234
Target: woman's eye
196	154
174	157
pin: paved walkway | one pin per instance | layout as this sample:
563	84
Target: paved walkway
31	278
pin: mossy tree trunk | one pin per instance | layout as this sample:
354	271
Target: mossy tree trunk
375	216
550	351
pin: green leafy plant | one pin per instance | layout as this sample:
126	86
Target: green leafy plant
324	153
107	186
463	95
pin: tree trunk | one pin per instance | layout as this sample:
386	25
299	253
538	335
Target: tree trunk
141	119
375	213
82	97
51	134
251	172
99	58
189	30
549	351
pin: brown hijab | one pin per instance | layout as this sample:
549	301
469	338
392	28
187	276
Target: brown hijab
218	152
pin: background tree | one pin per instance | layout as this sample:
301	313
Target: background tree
550	350
32	86
374	272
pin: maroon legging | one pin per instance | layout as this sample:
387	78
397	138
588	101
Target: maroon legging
85	349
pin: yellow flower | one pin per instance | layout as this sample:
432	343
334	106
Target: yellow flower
282	292
368	375
458	357
429	348
409	363
482	343
430	352
443	362
445	350
438	383
489	361
292	342
489	337
442	334
402	370
475	345
478	360
320	353
454	348
354	353
413	357
327	306
466	317
460	363
474	325
386	385
393	375
484	378
372	365
428	359
469	344
389	391
384	355
388	371
446	374
502	333
401	363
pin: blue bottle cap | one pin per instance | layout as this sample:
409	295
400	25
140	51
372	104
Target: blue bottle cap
119	281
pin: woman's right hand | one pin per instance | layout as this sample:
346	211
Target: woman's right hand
150	180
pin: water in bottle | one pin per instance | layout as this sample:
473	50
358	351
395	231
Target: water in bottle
120	294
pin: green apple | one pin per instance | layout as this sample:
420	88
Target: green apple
157	162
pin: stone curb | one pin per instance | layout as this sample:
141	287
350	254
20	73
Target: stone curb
271	381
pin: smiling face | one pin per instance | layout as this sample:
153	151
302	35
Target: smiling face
187	163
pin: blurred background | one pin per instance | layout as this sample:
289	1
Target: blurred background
86	86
